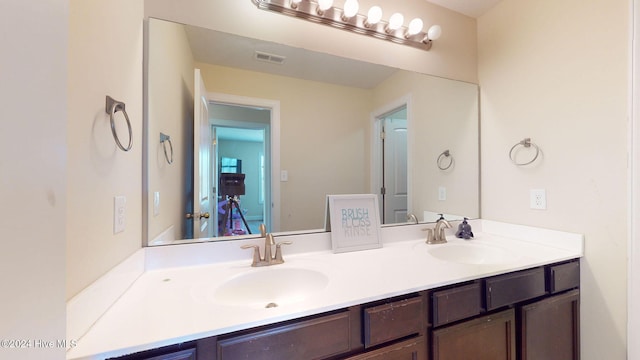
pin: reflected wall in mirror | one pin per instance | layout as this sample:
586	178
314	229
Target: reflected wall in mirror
330	113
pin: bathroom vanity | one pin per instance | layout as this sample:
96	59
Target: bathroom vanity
510	293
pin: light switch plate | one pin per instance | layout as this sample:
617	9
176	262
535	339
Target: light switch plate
284	175
119	214
442	193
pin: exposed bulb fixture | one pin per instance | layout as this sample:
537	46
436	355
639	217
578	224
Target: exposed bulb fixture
373	16
395	22
415	27
350	9
324	5
433	33
349	19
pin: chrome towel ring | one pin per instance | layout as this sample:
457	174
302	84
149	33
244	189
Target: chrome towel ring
164	139
445	154
526	143
112	106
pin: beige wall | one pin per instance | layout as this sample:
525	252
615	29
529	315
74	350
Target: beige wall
170	105
452	56
444	116
557	71
105	58
308	125
33	75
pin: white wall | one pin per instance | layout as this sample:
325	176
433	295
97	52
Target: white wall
33	75
557	71
105	58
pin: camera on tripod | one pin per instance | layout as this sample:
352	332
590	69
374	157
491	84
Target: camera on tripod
231	187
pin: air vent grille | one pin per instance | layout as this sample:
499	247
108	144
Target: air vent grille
270	58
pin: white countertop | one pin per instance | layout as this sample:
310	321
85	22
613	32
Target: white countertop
172	304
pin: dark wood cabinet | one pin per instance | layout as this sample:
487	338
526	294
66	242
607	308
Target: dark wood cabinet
490	337
550	328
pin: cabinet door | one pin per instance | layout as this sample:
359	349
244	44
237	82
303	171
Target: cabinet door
550	328
414	349
490	337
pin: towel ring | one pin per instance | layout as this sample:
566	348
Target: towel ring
527	144
112	106
445	154
164	139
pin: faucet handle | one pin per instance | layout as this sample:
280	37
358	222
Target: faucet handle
429	235
278	257
263	230
256	253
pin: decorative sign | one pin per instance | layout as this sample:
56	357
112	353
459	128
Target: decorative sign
354	222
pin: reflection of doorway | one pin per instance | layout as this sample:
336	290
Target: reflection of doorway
241	140
390	168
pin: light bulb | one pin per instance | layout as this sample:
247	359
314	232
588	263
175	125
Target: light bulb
434	32
415	26
374	15
350	8
395	22
295	3
324	5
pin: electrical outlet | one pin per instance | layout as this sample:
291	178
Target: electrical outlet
284	175
119	213
538	199
442	193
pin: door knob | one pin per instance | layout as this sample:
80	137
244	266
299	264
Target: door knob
198	215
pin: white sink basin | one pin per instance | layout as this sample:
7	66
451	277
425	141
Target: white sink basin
270	287
470	253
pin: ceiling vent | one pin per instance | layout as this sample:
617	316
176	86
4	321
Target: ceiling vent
270	58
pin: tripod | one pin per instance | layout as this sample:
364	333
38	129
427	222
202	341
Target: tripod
228	213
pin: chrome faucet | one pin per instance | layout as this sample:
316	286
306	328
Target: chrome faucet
268	243
437	235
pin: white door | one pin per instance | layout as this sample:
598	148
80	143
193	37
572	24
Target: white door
395	170
202	201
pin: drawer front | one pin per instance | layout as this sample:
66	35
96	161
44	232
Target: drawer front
456	304
309	339
511	288
392	321
414	349
564	276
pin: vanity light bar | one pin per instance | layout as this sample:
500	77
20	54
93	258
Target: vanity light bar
334	16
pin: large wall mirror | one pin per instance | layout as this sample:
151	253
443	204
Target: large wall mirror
277	129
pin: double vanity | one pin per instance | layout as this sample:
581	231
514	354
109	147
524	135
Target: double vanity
511	292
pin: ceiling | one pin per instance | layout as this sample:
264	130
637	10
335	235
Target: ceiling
472	8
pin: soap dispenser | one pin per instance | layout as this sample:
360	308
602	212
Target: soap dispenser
464	230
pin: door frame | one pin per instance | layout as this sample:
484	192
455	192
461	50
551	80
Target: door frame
272	152
376	147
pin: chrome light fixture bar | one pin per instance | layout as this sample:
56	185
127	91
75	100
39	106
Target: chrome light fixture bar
333	16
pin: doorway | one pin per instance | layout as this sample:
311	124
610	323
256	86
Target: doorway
391	168
250	127
240	167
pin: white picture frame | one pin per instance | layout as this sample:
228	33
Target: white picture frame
354	222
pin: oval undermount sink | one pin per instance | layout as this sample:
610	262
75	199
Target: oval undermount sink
478	254
270	287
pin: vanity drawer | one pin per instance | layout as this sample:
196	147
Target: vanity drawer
564	276
393	321
456	303
514	287
308	339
